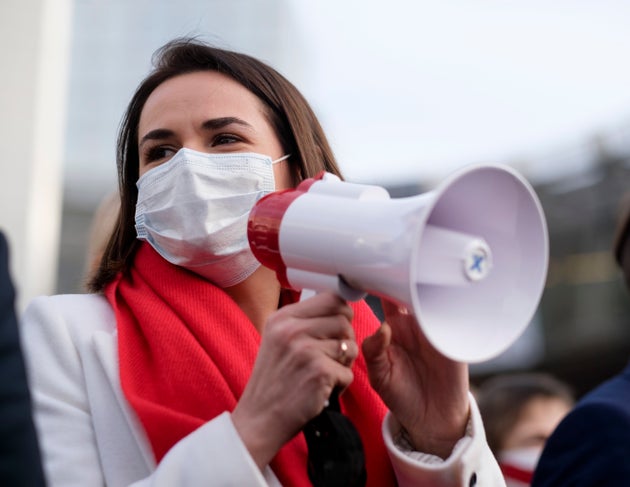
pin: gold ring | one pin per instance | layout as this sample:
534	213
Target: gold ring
343	352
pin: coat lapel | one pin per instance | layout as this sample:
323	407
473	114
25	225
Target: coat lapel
105	348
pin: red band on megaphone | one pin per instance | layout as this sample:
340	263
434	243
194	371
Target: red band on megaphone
263	226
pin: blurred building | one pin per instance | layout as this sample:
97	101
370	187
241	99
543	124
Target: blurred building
586	307
581	331
112	45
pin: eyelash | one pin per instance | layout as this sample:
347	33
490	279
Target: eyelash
232	139
158	152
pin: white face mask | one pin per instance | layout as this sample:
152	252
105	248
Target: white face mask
193	210
518	464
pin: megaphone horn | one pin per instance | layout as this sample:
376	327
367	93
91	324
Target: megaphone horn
469	258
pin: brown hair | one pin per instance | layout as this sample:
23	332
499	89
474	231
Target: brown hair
503	398
293	120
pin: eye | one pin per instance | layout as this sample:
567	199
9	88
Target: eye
157	153
225	139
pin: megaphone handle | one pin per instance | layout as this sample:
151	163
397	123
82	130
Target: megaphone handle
309	281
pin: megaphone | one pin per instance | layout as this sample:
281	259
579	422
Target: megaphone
469	258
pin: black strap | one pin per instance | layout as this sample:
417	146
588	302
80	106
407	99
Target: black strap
335	451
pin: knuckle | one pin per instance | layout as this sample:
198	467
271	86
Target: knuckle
280	331
318	369
301	351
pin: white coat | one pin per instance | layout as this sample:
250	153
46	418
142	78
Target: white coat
90	436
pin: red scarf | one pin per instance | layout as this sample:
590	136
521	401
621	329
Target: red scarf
176	341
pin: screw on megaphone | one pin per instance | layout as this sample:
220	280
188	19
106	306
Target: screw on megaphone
477	262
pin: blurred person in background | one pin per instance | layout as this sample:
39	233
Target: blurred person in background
520	411
190	364
102	226
20	462
591	446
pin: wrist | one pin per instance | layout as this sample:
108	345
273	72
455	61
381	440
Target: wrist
256	436
438	441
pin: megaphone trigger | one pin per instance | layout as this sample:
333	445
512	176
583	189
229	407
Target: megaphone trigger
313	282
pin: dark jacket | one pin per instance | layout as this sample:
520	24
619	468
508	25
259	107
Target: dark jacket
591	446
20	463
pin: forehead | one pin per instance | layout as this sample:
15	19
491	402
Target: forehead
543	413
197	96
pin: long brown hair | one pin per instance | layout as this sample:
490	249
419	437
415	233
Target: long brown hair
293	120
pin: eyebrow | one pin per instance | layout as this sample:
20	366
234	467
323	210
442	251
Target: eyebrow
219	123
212	124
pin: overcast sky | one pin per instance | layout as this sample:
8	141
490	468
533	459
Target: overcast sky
415	89
406	90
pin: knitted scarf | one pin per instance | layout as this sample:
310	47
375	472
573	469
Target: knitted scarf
177	338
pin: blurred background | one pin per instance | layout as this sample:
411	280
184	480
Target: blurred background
408	91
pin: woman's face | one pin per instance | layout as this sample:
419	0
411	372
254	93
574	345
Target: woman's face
538	419
208	112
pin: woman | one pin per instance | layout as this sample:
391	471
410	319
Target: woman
189	365
520	411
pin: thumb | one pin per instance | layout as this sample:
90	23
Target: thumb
374	350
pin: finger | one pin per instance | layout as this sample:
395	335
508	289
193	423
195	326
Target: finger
375	345
320	327
337	327
325	303
396	311
406	331
389	307
374	350
328	375
343	374
342	351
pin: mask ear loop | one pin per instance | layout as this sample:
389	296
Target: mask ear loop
283	158
292	168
